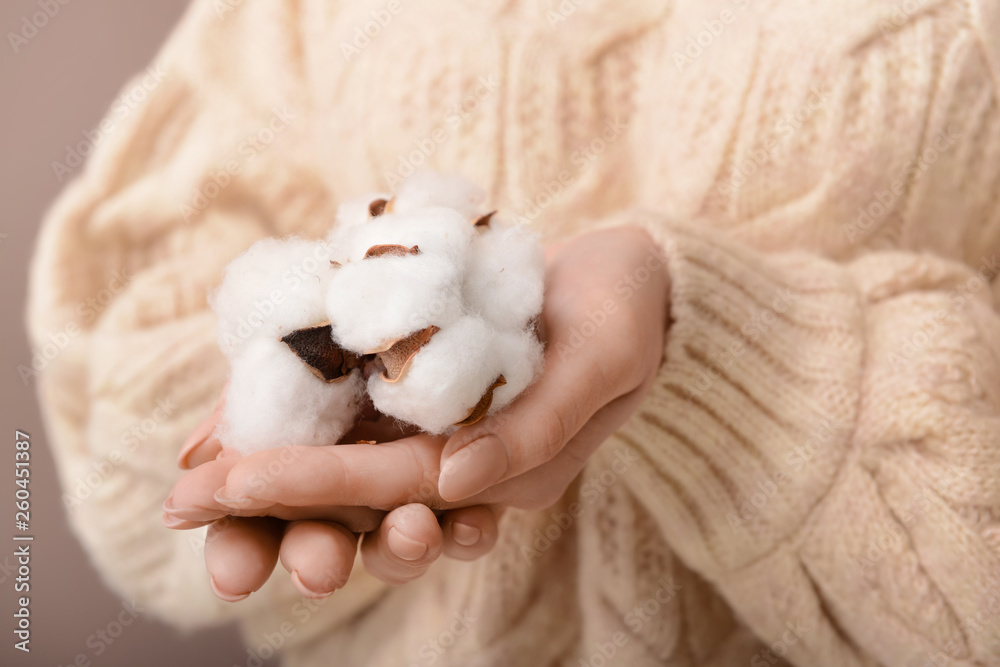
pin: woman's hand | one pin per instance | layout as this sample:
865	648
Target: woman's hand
316	545
606	308
604	322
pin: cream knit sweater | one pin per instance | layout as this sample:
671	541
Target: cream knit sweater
816	473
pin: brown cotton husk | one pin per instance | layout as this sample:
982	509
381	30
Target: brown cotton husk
398	356
483	222
324	358
377	207
390	250
480	409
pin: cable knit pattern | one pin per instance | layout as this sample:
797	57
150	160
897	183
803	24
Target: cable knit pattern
812	479
826	428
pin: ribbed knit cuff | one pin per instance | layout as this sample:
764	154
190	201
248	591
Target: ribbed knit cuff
748	422
820	445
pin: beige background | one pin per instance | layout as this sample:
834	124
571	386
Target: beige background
56	86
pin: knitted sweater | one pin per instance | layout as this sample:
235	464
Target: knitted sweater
814	476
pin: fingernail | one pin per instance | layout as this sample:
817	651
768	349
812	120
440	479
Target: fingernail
405	547
240	502
305	590
199	436
191	513
465	534
228	597
171	521
473	468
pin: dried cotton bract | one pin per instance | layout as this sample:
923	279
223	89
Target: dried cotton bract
435	298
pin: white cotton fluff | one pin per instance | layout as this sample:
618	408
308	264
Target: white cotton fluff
435	231
451	373
521	361
479	287
272	289
445	379
430	188
353	213
506	275
374	302
275	400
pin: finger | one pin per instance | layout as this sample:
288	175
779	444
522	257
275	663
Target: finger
198	498
354	519
204	451
542	487
404	546
192	496
319	555
380	476
528	433
201	446
240	554
172	522
470	532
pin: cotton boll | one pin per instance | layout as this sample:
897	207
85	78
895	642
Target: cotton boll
445	304
275	400
445	379
435	231
520	355
429	188
272	289
506	275
373	302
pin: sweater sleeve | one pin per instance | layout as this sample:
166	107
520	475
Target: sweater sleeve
821	444
208	159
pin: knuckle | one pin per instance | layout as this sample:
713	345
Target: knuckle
334	468
552	435
624	367
244	478
424	476
622	363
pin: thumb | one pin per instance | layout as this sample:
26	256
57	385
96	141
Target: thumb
529	432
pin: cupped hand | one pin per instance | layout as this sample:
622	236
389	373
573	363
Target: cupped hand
316	544
604	322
